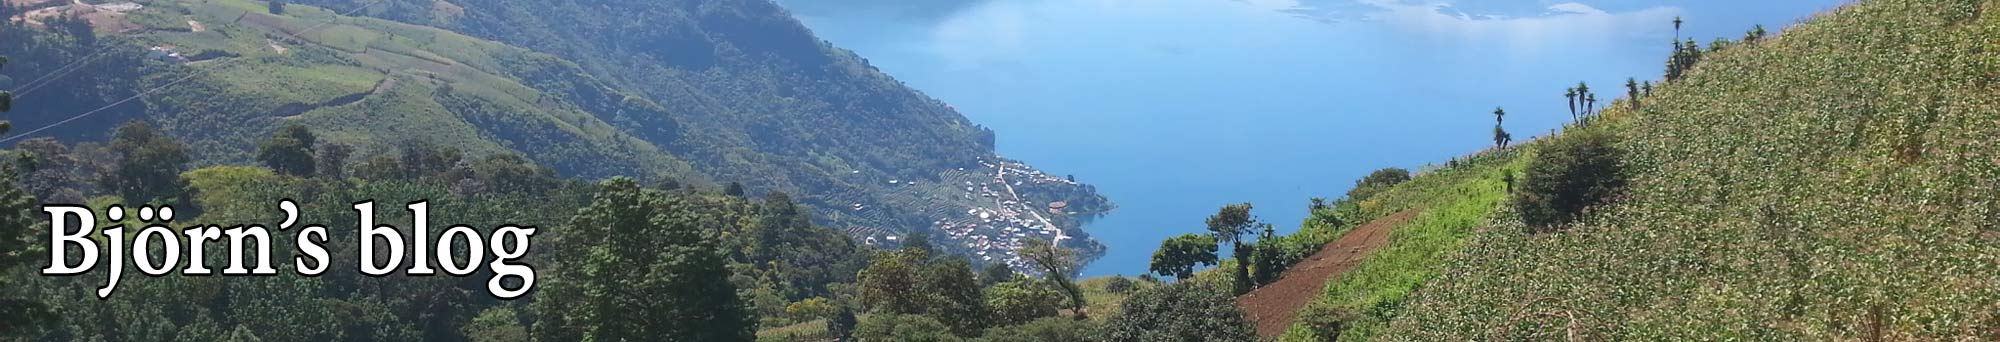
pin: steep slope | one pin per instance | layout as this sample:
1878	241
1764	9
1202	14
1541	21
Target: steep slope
1840	182
768	104
705	92
1274	306
374	84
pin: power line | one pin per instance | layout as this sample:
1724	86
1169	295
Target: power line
52	76
190	75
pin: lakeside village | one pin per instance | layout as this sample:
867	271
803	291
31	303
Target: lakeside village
988	214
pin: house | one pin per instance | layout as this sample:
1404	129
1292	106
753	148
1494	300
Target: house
165	53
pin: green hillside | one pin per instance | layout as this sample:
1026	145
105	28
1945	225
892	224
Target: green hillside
736	92
1837	182
379	85
764	101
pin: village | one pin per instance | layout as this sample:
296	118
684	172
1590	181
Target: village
992	219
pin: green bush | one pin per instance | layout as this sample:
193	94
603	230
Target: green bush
1049	329
910	328
1569	175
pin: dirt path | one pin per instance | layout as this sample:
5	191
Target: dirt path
1274	306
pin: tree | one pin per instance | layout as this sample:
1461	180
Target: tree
512	174
1020	301
811	308
1677	28
1179	256
957	298
1051	329
1500	135
1591	103
1583	97
332	160
1182	311
891	283
995	273
1571	94
17	226
498	324
1374	183
920	240
1229	224
278	7
1632	91
151	164
734	189
902	328
640	265
800	258
1570	174
1754	35
1268	265
841	325
289	151
1646	89
1058	265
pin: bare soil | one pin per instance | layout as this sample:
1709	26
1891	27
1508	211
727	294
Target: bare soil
1274	306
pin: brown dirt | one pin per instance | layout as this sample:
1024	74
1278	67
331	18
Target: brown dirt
1274	306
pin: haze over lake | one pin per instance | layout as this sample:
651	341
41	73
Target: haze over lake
1173	108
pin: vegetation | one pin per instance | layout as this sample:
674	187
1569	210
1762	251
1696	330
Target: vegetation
1228	225
1184	311
1772	215
1571	173
1453	202
1179	256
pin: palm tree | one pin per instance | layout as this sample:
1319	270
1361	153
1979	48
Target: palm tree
1500	136
1677	28
1571	94
1499	115
1592	106
1583	96
1632	91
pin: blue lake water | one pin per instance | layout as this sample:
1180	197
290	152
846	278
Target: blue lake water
1173	108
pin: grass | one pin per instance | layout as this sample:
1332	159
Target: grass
1455	201
1839	182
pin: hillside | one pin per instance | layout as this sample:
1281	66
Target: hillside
735	92
1837	182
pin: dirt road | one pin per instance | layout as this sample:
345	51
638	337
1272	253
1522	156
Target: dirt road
1274	306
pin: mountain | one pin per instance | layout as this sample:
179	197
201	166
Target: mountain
706	93
1834	182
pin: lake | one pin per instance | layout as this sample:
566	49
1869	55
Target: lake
1173	108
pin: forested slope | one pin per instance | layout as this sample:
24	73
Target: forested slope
706	93
765	102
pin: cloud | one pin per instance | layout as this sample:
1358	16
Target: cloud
1562	22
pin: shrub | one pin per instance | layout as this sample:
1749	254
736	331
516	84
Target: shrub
1570	174
897	327
1049	329
1182	311
1377	182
